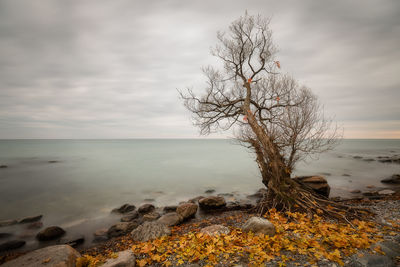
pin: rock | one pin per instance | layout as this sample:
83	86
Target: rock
146	208
211	203
12	244
386	192
31	219
8	222
391	249
195	200
151	216
259	194
100	235
187	210
53	161
356	191
170	208
209	191
394	179
121	228
5	235
3	166
125	208
55	256
150	230
317	183
74	242
215	229
50	233
259	225
130	216
170	219
34	225
124	258
369	260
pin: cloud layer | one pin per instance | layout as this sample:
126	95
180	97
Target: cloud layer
110	69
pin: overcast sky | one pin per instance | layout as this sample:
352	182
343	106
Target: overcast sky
111	69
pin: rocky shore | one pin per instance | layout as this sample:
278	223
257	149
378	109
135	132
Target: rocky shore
212	214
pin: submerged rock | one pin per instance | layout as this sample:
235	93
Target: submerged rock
259	225
34	225
8	222
150	230
125	208
394	179
74	242
259	194
146	208
5	235
50	233
3	166
215	229
100	235
12	244
124	258
356	191
187	210
211	203
195	200
209	191
59	255
31	219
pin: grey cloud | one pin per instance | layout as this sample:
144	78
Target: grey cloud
110	69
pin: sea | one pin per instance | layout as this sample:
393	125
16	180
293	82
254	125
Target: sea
76	183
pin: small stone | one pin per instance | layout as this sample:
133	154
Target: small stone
170	219
146	208
8	222
394	179
151	216
130	216
215	229
170	208
124	258
259	225
213	202
31	219
125	208
386	192
50	233
209	191
187	210
12	244
121	228
150	230
370	186
356	191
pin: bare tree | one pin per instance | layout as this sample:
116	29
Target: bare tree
269	112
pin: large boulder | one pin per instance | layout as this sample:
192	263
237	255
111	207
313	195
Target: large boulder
150	230
31	219
170	219
317	183
121	228
212	203
187	210
259	225
394	179
12	244
215	229
124	258
146	208
50	233
59	256
125	208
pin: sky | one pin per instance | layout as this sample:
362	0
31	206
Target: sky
111	69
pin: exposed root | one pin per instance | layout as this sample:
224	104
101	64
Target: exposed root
304	200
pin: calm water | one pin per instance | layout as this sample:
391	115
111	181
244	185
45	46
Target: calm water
91	177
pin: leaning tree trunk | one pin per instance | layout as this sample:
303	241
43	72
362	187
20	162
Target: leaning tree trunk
283	192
